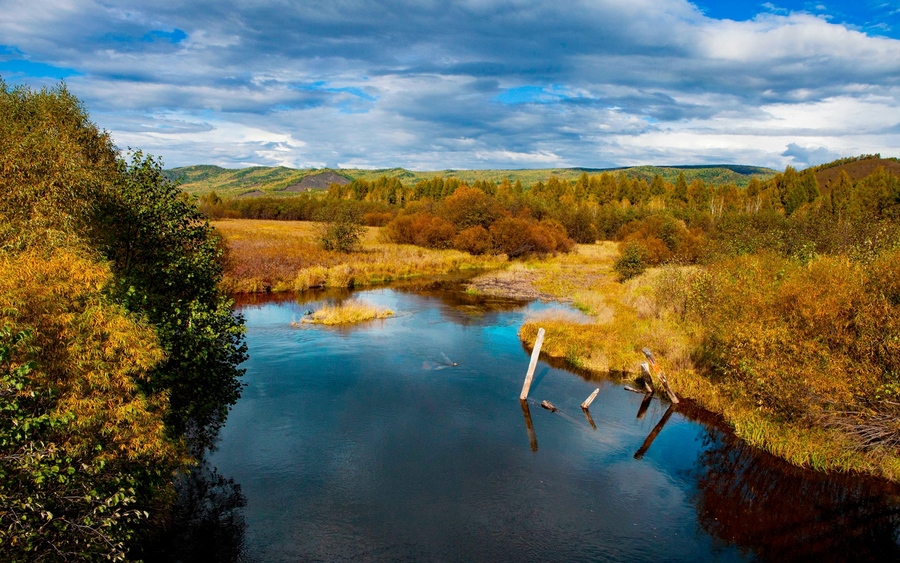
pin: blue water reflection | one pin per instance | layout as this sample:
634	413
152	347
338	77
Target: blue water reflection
365	443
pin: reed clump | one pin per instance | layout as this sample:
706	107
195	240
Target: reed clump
348	312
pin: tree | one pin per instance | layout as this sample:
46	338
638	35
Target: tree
165	259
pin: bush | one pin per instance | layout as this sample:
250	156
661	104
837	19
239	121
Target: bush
631	261
342	233
422	229
474	240
521	237
470	207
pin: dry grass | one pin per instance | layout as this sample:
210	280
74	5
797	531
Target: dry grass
285	255
348	312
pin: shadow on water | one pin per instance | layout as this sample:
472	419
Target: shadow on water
205	524
781	512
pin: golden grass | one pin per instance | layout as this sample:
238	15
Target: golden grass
348	312
285	255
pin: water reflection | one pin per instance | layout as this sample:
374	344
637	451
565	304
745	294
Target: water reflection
206	522
784	513
529	426
653	433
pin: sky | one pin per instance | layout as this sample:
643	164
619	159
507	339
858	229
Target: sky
471	84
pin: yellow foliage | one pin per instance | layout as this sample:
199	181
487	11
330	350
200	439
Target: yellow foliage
91	352
348	312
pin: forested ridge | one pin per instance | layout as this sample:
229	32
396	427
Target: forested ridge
118	354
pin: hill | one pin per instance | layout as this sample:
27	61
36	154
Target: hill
856	168
280	180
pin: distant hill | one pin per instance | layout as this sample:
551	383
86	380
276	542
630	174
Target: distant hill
856	168
280	180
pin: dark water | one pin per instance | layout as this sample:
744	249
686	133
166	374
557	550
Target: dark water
365	444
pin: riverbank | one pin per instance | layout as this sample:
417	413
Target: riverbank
787	392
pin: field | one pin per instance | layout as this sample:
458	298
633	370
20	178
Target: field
286	255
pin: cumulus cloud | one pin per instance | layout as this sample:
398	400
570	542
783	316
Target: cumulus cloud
471	83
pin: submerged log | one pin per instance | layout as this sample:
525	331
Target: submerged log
587	402
535	354
549	406
633	390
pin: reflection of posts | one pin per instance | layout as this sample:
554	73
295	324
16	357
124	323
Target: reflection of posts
533	364
532	438
653	434
587	413
645	404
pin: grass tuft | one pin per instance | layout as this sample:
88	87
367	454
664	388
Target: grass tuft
348	312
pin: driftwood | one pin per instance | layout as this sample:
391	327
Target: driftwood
549	406
587	402
633	390
653	434
535	354
662	377
529	427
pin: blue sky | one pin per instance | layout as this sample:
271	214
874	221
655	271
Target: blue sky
429	84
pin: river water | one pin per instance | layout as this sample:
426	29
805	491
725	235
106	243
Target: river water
367	444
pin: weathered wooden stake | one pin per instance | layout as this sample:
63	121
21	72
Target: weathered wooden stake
529	427
647	377
662	377
535	354
549	406
587	402
653	434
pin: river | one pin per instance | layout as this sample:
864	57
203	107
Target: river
366	443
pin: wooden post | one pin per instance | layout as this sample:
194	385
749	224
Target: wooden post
653	434
535	354
529	427
672	397
587	402
647	377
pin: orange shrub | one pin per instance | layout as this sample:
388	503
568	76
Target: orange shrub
520	237
422	229
474	240
470	207
377	218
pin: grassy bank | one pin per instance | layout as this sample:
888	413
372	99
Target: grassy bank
286	255
796	356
